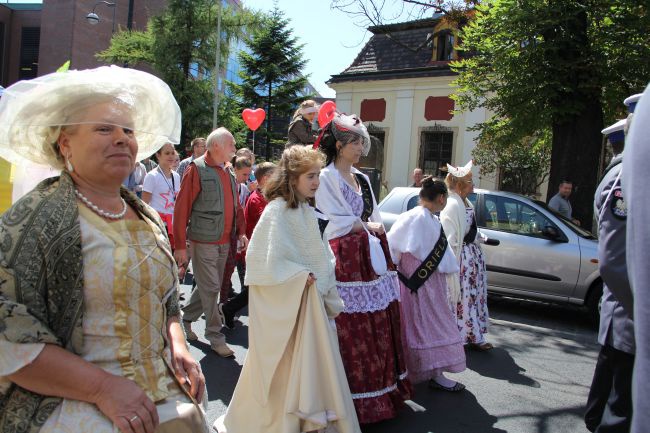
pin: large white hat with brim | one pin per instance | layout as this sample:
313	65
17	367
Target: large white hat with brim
32	111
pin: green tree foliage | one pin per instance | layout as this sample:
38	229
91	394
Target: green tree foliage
180	45
556	66
271	72
522	166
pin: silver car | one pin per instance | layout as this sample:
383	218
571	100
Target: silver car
540	254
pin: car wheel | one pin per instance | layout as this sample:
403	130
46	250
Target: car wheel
593	302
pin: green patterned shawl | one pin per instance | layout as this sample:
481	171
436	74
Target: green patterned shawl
41	285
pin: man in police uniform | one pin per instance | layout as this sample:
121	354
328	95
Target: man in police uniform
609	406
635	186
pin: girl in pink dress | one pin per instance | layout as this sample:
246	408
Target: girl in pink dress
432	342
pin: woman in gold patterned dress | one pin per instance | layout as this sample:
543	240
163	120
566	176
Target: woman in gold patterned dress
90	338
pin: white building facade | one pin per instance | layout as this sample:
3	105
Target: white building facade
400	84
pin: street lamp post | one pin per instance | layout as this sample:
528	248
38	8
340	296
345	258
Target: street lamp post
129	19
215	106
93	18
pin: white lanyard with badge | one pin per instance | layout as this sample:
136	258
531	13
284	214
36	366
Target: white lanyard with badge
172	187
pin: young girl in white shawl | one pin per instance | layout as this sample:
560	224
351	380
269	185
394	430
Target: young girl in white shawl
292	380
432	343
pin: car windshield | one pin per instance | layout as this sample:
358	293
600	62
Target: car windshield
575	228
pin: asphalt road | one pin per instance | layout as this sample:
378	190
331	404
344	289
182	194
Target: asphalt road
535	380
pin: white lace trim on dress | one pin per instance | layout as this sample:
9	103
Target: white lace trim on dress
369	296
386	390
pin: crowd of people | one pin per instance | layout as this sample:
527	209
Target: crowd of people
344	318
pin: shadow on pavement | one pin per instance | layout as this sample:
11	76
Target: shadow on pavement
568	318
553	421
239	335
221	374
498	364
446	413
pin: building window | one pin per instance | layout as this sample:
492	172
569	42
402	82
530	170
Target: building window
445	46
29	43
435	151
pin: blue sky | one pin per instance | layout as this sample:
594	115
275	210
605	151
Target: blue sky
331	39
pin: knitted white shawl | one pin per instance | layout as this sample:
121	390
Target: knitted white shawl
285	243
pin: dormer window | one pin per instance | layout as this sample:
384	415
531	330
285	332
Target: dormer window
444	46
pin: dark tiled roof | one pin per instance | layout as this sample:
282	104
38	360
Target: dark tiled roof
396	50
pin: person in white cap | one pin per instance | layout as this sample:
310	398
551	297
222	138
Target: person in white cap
468	290
89	316
609	406
300	129
637	194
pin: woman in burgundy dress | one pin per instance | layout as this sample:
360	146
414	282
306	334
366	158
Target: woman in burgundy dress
369	328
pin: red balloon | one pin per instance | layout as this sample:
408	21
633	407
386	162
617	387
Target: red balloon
253	118
326	113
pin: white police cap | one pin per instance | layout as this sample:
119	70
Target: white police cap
615	132
631	101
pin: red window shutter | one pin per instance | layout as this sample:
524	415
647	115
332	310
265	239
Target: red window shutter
373	110
438	108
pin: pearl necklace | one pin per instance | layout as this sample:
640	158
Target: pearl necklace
101	212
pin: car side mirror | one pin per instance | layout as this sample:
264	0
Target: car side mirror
551	232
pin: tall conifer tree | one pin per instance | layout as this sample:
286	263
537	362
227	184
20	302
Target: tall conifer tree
272	73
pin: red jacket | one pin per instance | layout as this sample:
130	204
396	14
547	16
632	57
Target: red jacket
253	211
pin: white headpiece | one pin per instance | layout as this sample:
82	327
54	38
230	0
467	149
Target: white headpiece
31	111
308	110
460	171
348	127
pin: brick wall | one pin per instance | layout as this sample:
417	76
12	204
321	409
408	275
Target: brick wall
66	35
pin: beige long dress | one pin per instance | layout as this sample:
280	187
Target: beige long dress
293	379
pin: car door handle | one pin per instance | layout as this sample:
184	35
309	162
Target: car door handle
493	242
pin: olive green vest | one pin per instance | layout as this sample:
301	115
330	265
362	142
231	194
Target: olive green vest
207	218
